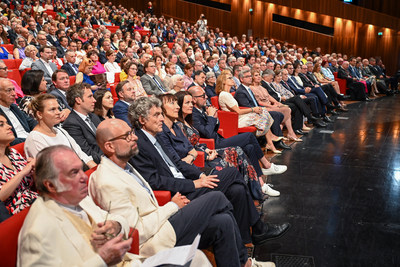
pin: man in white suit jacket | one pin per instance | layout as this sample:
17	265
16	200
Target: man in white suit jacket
176	223
49	237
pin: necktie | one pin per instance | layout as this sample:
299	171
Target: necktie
75	68
295	82
308	79
159	86
91	124
253	98
164	156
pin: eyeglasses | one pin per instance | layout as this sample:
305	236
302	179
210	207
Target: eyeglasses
202	96
128	136
247	76
5	68
90	61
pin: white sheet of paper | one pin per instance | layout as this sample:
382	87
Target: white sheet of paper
177	255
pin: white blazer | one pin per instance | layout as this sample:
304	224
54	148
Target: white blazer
48	238
111	183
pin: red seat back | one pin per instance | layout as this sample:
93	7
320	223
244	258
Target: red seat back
214	102
9	47
15	75
9	231
18	62
72	80
170	45
20	148
10	63
116	79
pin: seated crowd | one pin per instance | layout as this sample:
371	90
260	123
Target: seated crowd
143	132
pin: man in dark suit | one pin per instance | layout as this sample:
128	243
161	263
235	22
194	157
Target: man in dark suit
121	51
63	47
380	75
81	123
59	88
297	112
95	20
126	96
357	89
245	98
202	44
52	37
165	171
310	81
205	120
70	66
238	51
21	123
102	55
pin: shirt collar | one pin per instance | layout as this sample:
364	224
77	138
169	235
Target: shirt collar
152	139
5	109
83	117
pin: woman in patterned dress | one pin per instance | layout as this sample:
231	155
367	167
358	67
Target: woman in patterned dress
185	143
16	178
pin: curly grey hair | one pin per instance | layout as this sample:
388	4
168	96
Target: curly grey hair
141	108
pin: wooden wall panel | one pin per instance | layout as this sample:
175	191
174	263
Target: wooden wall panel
353	35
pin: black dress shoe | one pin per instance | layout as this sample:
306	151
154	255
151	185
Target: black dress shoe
342	97
368	99
333	112
319	124
330	106
281	145
300	132
327	119
314	119
274	231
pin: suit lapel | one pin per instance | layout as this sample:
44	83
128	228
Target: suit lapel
70	231
81	122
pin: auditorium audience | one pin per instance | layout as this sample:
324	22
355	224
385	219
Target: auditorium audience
85	71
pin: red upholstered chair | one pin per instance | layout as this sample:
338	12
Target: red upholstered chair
114	94
10	63
229	121
116	79
18	62
112	29
199	161
95	26
143	32
342	84
9	230
170	45
14	75
20	148
9	48
72	80
22	72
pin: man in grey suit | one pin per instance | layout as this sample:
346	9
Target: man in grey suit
152	84
60	87
43	63
81	123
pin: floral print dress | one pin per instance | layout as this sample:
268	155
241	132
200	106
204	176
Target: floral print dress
22	197
227	157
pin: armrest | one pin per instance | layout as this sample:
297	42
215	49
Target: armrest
163	197
221	132
209	142
135	243
199	161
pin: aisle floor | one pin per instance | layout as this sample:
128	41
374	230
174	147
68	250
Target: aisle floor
341	192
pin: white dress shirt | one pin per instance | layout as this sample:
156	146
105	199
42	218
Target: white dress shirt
21	133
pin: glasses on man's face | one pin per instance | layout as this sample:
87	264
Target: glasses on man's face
247	76
128	136
201	96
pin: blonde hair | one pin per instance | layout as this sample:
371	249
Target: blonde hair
220	87
29	48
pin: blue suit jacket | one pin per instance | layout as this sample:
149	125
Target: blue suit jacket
69	69
27	122
243	98
155	171
203	47
177	144
206	125
120	111
300	91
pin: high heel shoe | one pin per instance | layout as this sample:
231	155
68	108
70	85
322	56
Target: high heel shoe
295	139
279	138
267	147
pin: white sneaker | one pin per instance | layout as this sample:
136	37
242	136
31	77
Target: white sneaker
274	169
266	188
255	263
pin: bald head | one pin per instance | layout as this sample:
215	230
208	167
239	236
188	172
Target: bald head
195	90
117	141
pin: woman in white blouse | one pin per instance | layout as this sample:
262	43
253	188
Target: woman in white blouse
30	53
46	111
111	65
